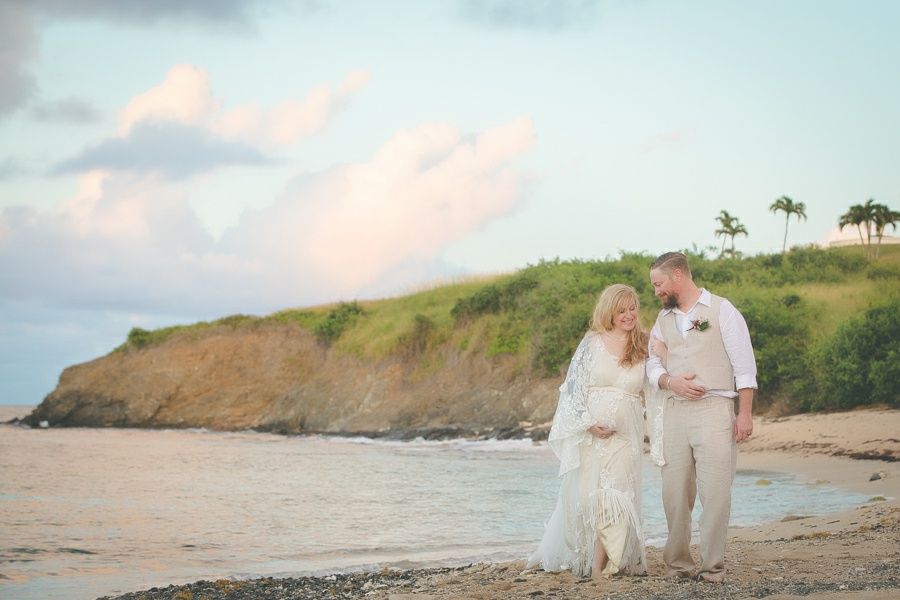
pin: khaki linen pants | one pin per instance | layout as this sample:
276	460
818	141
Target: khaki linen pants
701	456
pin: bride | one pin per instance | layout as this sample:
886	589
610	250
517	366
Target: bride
598	435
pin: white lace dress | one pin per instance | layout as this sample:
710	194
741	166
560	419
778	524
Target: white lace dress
600	492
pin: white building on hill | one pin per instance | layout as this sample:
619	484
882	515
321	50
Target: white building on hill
849	236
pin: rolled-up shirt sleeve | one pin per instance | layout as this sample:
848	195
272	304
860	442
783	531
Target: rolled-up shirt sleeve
655	368
736	338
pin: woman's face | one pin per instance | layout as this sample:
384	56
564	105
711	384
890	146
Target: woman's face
626	315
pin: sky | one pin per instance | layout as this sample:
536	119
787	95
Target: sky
168	162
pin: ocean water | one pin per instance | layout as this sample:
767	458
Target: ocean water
94	512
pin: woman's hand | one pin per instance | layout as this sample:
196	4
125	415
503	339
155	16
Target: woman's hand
601	430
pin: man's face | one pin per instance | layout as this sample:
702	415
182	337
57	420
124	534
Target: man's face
664	288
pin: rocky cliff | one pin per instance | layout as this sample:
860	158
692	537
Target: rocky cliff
278	378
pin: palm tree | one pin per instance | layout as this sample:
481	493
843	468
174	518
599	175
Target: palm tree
790	208
726	221
731	227
737	229
855	216
863	217
883	216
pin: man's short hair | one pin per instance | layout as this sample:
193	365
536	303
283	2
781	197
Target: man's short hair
670	261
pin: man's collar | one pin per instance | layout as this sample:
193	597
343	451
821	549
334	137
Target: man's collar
705	299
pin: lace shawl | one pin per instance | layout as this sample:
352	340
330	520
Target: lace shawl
572	419
654	403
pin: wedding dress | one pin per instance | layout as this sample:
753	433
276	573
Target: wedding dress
600	492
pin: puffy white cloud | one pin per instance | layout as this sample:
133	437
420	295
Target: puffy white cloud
425	188
179	128
116	243
132	241
185	97
291	120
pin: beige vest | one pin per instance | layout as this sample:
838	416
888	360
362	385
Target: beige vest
699	352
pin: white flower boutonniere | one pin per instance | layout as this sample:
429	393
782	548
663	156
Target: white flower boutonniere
699	325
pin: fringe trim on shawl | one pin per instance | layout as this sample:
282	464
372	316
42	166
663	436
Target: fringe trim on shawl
610	506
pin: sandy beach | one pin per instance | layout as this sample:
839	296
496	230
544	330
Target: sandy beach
853	555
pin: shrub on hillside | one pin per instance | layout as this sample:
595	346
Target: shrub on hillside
800	265
336	321
806	265
415	341
139	338
714	273
860	364
236	321
811	264
560	309
884	271
511	335
494	297
557	342
780	328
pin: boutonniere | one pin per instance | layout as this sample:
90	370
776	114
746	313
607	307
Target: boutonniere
699	324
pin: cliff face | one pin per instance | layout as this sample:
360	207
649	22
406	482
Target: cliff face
278	378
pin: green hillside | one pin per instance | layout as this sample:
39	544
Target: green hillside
825	323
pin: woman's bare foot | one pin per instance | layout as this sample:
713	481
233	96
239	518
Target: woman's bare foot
599	562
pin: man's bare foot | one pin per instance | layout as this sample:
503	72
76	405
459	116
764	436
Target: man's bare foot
710	578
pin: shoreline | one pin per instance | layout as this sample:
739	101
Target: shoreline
842	556
850	555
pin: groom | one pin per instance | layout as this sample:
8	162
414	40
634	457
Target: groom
709	356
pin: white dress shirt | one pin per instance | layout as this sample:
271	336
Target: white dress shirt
735	337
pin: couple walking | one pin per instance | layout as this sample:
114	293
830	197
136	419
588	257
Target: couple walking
698	353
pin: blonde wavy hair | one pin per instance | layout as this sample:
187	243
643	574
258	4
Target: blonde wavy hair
613	299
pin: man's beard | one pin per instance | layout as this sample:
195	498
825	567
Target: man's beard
671	301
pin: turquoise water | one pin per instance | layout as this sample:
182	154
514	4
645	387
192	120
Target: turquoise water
90	512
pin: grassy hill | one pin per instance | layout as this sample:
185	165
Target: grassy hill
825	323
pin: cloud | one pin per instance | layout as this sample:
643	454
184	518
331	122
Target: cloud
425	188
117	243
184	96
234	12
19	39
179	128
291	120
69	110
132	241
532	14
18	45
174	150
